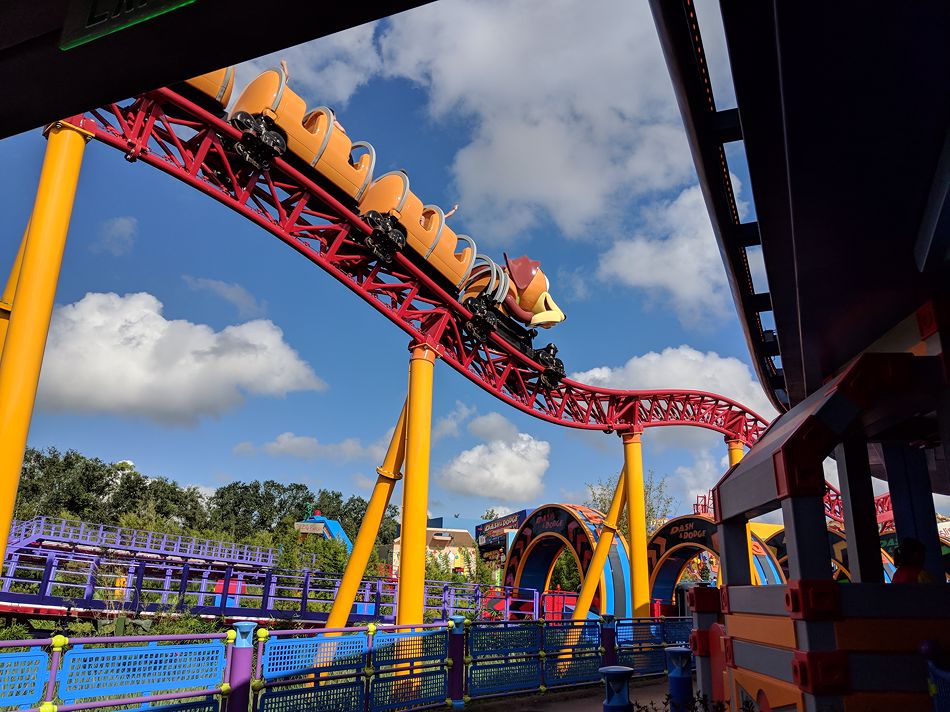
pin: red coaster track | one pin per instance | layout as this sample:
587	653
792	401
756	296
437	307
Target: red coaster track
184	140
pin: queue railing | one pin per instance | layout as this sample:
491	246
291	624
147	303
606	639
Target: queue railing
374	668
59	674
87	583
29	531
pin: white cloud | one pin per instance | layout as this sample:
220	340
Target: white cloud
244	448
248	307
688	481
448	425
327	71
308	448
509	467
118	354
363	482
573	285
674	259
205	491
574	496
560	131
684	367
493	426
290	445
116	235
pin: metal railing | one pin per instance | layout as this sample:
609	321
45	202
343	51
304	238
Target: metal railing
89	583
27	532
375	668
91	673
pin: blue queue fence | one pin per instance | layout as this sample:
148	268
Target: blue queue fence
375	668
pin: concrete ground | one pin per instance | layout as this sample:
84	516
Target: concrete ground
580	699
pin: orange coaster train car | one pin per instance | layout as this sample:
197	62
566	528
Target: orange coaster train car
274	121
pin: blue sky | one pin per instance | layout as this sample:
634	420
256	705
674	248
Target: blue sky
197	346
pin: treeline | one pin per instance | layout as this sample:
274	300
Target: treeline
261	513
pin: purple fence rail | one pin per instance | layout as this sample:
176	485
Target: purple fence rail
33	531
77	582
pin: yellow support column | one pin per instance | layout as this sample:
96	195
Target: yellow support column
736	451
596	567
6	303
412	550
35	293
389	475
637	524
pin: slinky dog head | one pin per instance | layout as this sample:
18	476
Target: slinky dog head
528	298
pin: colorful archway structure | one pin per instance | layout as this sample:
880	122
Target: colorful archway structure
838	545
551	529
681	539
890	540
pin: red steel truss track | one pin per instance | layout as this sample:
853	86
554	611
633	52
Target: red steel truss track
175	135
184	140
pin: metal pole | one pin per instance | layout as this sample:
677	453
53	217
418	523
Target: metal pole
637	525
29	320
736	451
375	512
412	565
604	542
9	292
241	667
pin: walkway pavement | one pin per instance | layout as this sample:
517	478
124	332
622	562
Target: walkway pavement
583	699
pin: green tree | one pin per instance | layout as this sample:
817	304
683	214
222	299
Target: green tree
67	484
565	575
659	504
489	515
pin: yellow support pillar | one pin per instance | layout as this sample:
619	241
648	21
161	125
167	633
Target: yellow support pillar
736	451
596	567
389	475
35	293
6	303
637	525
412	551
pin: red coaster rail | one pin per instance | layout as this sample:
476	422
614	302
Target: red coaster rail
171	133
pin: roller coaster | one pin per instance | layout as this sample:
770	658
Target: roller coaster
183	133
296	174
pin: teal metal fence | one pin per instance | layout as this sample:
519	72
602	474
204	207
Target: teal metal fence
369	669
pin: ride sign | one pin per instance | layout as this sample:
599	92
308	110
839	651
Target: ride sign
89	20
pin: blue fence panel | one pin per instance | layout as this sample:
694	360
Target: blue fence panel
676	630
23	677
139	670
206	704
338	695
504	638
639	631
644	661
939	680
572	669
498	676
571	635
408	690
424	646
289	657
